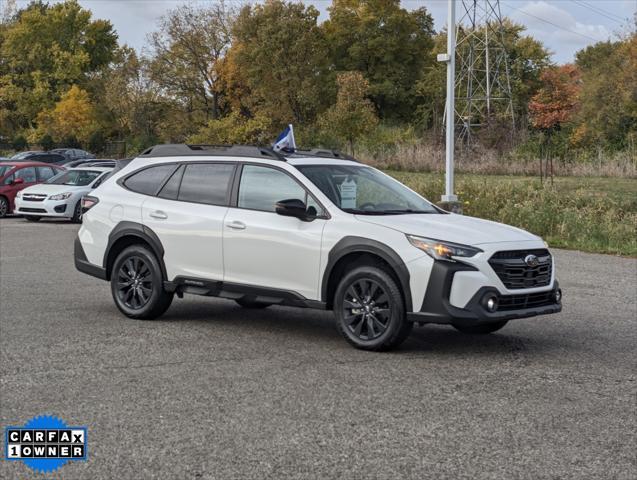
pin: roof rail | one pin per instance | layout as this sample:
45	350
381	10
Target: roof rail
325	153
184	150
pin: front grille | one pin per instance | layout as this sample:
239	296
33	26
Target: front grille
515	273
530	300
32	210
33	197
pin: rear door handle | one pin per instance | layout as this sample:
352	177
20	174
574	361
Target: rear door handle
158	214
236	225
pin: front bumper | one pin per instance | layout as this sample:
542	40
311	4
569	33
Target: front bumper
437	308
44	208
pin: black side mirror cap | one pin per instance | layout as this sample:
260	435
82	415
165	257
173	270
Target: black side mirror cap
293	207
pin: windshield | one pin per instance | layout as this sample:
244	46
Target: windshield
4	169
76	178
364	190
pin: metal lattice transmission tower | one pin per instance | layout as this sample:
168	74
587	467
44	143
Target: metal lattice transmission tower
482	81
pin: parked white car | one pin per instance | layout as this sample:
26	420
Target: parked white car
61	195
311	229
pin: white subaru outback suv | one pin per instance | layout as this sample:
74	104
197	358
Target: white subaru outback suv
313	229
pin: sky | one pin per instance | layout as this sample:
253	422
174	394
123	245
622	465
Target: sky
564	26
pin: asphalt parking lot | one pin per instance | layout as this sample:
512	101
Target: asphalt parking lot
215	391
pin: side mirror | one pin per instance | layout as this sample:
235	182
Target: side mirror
18	181
293	207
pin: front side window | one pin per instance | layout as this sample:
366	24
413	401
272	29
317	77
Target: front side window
75	178
207	183
262	187
44	173
27	174
149	180
364	190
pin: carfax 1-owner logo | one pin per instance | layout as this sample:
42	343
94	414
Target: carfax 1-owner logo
45	443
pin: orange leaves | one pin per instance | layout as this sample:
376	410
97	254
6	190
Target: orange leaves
557	99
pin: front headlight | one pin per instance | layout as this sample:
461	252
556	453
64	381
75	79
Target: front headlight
60	196
439	250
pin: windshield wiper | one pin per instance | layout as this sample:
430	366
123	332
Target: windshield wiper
406	211
356	211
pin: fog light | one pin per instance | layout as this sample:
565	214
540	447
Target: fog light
491	303
558	295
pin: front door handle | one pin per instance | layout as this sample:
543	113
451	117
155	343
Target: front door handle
159	215
236	225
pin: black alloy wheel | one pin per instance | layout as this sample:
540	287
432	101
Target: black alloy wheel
366	309
370	310
134	283
137	284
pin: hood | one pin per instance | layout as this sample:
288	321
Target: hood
452	228
51	189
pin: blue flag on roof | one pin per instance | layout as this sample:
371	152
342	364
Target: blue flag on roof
285	141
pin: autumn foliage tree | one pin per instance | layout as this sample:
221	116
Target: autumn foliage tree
72	117
555	103
353	114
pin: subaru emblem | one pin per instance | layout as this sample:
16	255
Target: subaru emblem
531	260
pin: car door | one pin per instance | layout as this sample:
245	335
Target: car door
187	215
264	249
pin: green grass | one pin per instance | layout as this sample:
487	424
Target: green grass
583	213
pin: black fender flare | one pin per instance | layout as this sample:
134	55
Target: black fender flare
134	229
354	244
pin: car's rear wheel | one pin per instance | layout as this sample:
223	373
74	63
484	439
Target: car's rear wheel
32	218
77	213
4	207
480	328
248	303
370	311
137	284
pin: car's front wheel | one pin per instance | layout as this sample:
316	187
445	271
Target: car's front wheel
4	207
137	284
77	213
480	328
369	309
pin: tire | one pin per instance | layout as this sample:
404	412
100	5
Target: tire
137	284
381	323
77	213
247	303
481	328
4	207
32	218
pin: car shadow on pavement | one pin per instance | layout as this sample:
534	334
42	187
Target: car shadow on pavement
316	325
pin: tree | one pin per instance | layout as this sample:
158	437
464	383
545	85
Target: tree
72	116
608	113
44	50
555	103
185	49
277	65
47	143
388	44
353	114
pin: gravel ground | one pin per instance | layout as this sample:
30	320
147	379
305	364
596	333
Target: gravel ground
215	391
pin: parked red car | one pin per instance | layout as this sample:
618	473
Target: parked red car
16	175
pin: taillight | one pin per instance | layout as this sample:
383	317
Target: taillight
89	202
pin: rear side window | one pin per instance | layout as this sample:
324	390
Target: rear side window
149	180
171	189
206	183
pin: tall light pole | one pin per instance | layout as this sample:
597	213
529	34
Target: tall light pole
450	59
